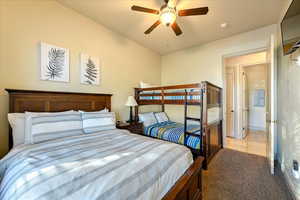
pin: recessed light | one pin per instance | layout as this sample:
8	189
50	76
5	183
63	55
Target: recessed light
224	25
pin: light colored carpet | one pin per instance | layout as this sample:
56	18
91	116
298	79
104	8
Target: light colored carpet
234	175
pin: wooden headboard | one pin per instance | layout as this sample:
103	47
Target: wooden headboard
47	101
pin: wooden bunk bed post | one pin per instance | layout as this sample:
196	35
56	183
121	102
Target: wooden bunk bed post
185	114
162	100
205	136
136	108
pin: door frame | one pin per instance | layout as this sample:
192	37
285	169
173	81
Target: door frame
224	57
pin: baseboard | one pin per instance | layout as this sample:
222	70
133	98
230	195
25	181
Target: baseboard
286	180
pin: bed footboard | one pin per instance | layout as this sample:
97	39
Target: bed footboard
189	186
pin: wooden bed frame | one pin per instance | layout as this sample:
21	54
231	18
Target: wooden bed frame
204	94
188	187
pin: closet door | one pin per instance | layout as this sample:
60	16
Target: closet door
230	92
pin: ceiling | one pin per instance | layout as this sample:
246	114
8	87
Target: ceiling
241	16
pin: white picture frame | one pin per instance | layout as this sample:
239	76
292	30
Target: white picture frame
54	63
90	70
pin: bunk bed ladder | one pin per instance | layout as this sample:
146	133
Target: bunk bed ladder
186	119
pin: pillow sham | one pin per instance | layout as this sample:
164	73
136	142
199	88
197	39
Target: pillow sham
17	123
148	119
45	127
93	122
161	117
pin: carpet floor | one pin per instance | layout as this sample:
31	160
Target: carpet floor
234	175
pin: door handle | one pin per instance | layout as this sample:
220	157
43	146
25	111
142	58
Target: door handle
232	110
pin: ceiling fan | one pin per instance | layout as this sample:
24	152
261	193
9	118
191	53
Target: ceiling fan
168	14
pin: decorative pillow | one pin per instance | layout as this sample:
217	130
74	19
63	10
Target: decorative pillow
148	119
17	123
93	122
44	127
161	117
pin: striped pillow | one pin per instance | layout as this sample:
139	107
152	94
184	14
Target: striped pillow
93	122
40	128
161	117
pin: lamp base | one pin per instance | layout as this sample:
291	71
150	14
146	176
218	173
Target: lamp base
130	116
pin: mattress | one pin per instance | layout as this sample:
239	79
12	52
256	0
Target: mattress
174	132
110	165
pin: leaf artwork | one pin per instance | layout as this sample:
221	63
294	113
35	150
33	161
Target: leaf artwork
55	67
91	72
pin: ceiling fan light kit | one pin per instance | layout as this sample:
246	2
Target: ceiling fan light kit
168	15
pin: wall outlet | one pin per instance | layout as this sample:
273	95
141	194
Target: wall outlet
296	169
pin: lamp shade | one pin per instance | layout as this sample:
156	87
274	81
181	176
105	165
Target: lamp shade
131	101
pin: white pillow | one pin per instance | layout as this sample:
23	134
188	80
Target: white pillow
161	117
93	122
45	127
148	119
17	123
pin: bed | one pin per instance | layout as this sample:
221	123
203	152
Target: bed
112	164
205	138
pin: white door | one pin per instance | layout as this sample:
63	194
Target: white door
245	108
230	101
271	103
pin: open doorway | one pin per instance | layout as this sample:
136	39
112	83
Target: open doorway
246	94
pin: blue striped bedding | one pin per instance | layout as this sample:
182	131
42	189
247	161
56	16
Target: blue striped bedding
174	132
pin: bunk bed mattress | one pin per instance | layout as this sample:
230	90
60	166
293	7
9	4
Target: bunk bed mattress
174	132
111	164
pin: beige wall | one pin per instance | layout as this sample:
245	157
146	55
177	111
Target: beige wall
246	60
256	79
289	116
288	112
24	23
205	62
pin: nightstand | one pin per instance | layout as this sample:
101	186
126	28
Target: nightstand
134	127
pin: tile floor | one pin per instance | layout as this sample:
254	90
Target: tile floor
254	143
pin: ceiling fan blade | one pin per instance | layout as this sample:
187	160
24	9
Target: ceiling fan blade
149	30
143	9
193	11
176	29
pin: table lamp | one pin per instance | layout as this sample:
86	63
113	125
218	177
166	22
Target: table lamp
131	102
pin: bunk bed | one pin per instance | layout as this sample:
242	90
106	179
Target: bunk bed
203	138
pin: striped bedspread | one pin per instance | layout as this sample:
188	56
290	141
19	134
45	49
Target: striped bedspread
110	165
174	132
